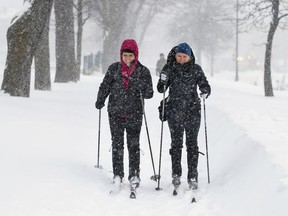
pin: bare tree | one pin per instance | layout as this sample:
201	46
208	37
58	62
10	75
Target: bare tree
217	29
141	13
258	14
23	36
65	42
203	24
111	16
134	10
82	10
122	19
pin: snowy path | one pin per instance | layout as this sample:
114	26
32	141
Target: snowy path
49	149
264	119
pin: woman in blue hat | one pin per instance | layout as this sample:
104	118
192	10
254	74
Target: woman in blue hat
182	76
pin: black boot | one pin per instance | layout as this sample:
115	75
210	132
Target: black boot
117	159
176	161
192	160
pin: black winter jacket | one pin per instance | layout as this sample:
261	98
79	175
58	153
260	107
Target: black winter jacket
122	102
183	80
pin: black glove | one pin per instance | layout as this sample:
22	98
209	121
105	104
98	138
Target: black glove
99	105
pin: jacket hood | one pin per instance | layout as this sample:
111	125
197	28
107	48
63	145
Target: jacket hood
171	58
130	44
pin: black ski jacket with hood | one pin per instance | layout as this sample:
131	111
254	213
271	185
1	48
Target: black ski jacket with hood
124	102
183	81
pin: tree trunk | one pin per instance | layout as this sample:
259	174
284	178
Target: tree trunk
111	49
23	36
113	16
79	37
42	62
212	63
147	22
268	88
65	42
198	53
135	8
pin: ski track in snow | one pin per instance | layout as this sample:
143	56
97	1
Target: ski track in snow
49	150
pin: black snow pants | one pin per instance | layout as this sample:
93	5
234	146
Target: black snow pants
132	125
184	118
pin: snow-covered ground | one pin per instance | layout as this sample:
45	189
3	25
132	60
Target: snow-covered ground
49	150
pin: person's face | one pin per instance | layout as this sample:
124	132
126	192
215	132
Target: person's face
182	58
128	58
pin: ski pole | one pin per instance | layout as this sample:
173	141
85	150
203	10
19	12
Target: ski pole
208	172
99	127
161	138
154	177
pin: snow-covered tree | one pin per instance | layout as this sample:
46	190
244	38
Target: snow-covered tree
23	37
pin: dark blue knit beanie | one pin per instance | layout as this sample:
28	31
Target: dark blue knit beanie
184	48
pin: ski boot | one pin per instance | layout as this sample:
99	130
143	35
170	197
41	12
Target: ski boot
176	182
117	184
134	184
193	183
